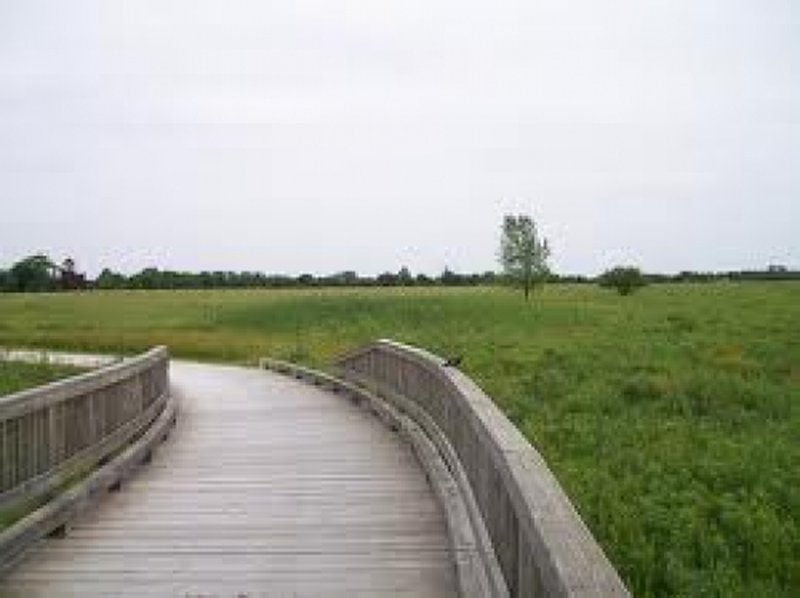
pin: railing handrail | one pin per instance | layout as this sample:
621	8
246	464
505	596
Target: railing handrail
544	546
40	397
58	430
120	413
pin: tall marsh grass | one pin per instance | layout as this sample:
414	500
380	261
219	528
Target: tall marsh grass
671	417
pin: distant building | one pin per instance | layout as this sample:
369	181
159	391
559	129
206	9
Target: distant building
68	278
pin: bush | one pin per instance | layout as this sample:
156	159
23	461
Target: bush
625	279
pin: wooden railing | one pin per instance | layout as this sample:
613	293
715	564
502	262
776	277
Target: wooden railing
478	574
54	432
542	545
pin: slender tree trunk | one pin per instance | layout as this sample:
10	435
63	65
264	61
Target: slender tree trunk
527	288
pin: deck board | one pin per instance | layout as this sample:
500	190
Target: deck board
268	487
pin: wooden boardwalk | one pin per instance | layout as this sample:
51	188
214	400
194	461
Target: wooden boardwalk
268	487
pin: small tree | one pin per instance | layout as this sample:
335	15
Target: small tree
110	280
625	279
523	253
33	274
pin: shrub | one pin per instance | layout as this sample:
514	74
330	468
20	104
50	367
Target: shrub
625	279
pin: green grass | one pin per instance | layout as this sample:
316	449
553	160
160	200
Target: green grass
16	376
672	417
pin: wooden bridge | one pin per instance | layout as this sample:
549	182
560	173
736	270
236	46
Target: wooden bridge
366	484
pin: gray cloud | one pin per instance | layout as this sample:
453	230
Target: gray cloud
319	136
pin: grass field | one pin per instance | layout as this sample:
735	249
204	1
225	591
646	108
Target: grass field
16	376
671	417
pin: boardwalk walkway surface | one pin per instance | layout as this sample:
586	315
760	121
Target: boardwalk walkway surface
268	487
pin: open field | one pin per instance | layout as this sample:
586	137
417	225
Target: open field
671	417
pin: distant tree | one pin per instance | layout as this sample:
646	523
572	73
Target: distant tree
448	277
149	278
110	280
488	277
404	277
625	279
33	274
387	279
344	278
305	280
523	253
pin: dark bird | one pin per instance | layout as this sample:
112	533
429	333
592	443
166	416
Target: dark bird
453	362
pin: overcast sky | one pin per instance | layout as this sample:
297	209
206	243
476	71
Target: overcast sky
322	135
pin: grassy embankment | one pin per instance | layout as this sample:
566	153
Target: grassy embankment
16	376
672	417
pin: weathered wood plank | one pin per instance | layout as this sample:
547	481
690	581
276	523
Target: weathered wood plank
267	487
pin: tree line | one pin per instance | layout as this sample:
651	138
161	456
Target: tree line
39	273
153	278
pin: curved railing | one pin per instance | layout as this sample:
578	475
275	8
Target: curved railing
542	545
64	443
54	432
478	574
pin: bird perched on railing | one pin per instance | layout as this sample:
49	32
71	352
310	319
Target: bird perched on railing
453	362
